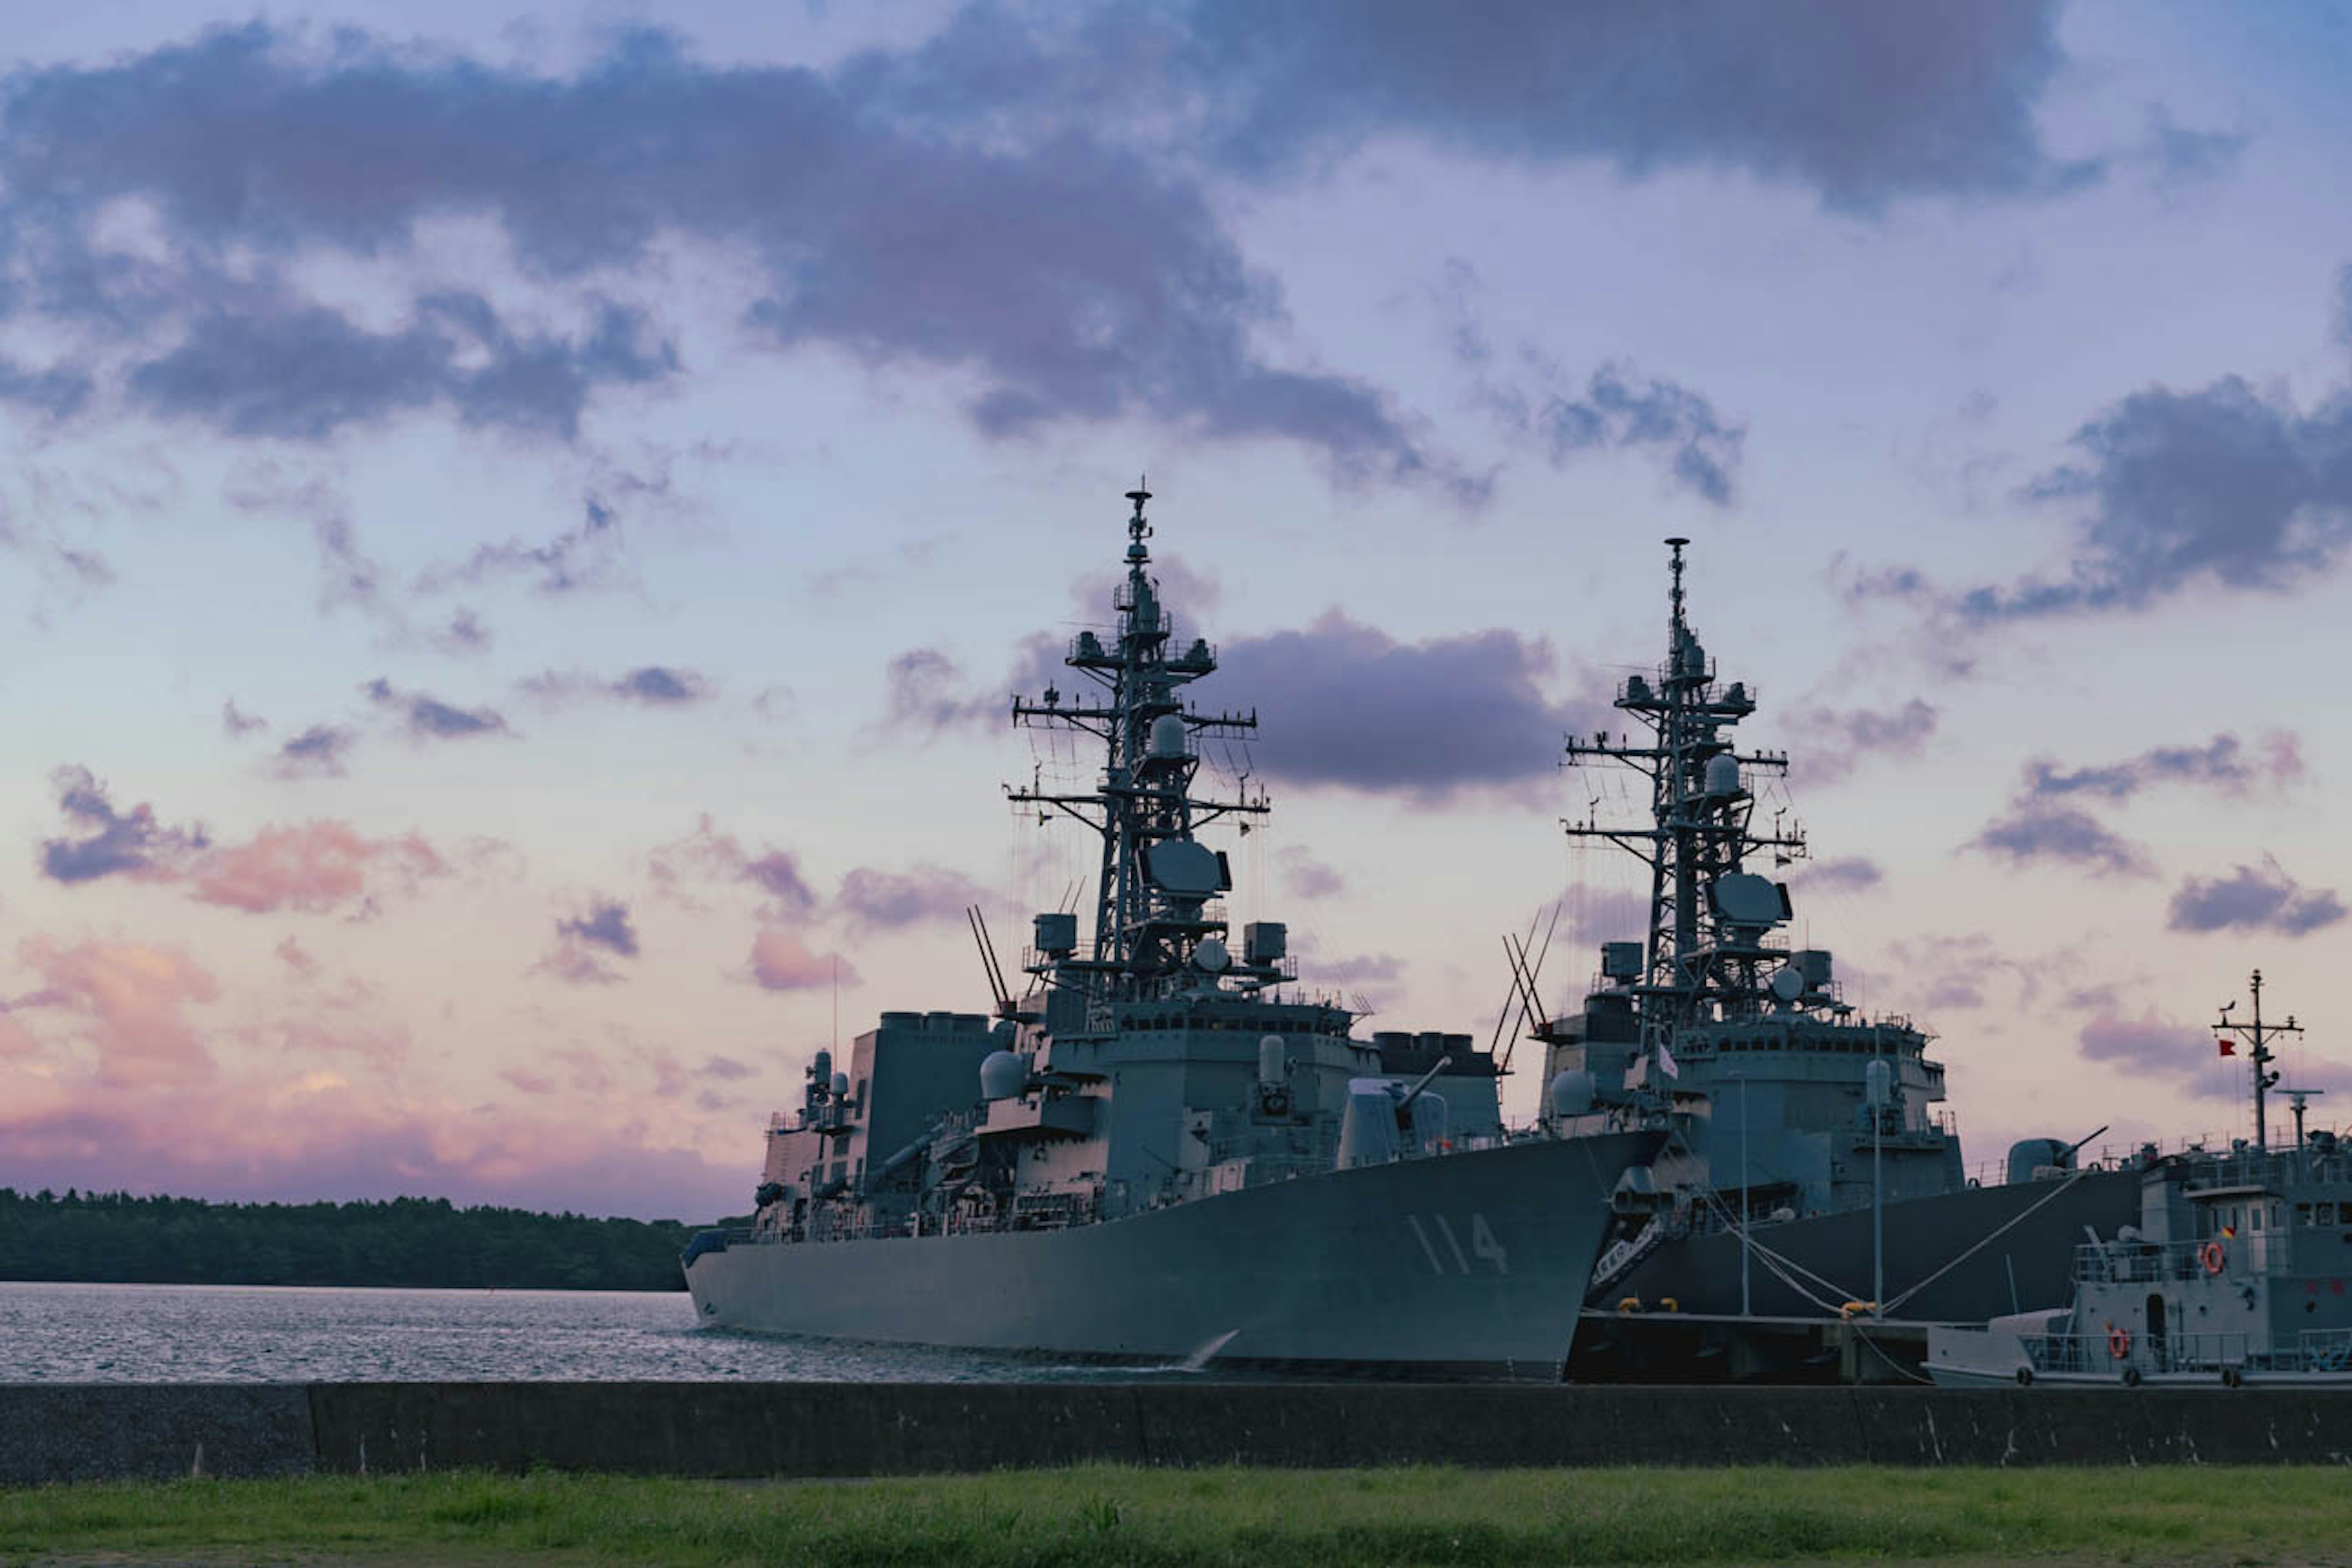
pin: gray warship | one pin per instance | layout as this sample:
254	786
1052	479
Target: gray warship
1158	1148
1808	1178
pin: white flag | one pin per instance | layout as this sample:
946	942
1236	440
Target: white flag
1666	1061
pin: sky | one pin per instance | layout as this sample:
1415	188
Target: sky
518	529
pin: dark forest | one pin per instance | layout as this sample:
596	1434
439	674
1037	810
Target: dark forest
116	1238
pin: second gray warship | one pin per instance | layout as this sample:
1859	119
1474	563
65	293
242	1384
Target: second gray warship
1808	1179
1158	1148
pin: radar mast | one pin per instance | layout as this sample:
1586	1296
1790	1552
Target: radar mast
1155	917
1709	952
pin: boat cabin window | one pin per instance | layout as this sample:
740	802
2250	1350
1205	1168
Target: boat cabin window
2303	1214
2254	1216
2326	1215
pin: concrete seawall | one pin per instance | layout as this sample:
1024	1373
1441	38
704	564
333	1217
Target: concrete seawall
91	1432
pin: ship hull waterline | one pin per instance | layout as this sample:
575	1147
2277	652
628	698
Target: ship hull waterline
1469	1264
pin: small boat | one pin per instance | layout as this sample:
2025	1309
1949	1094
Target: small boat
2239	1271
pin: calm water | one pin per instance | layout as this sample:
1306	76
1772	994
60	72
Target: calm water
228	1333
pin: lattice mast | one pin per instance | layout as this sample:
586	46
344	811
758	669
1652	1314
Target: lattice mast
1153	901
1701	963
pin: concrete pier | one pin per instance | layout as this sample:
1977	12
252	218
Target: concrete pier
92	1432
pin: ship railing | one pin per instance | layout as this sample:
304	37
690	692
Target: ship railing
2149	1262
2323	1350
2111	1351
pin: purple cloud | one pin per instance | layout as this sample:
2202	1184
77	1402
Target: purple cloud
1347	706
2063	834
112	842
891	899
2257	899
605	925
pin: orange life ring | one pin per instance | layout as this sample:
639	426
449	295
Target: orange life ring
2119	1341
2211	1256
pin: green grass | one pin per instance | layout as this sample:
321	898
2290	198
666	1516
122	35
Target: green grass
1093	1515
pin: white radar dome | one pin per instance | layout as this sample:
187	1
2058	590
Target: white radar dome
1571	1093
1272	1060
1001	1075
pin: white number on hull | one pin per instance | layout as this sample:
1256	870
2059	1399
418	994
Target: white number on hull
1483	1245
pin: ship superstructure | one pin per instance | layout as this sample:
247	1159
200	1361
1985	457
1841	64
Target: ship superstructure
1161	1143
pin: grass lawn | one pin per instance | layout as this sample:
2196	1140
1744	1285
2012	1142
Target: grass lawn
1116	1516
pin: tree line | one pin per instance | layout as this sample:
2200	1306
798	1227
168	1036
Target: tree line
116	1238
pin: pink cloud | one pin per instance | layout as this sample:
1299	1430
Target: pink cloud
130	998
155	1114
297	957
316	1136
708	857
315	867
781	960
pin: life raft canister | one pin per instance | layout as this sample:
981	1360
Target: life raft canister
2119	1341
2211	1256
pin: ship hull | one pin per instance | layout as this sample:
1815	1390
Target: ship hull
2024	1235
1464	1263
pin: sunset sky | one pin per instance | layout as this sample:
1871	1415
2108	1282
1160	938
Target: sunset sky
517	529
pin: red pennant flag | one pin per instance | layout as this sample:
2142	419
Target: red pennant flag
2228	1046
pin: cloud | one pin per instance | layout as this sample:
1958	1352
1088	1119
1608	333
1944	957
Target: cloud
297	957
603	929
588	557
1849	874
315	867
1843	739
1347	706
658	685
1305	877
781	960
2258	899
279	368
2182	155
1617	409
707	855
317	751
1374	968
111	843
605	925
572	963
238	722
130	1001
727	1068
651	686
347	577
2221	763
429	717
2148	1044
928	694
2064	834
58	392
2223	487
1840	98
1067	276
155	1114
891	899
